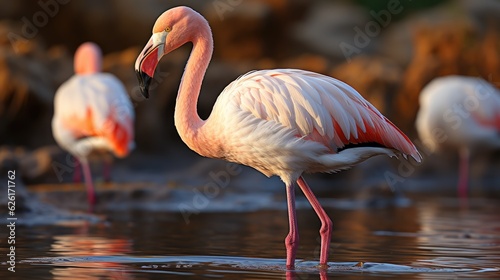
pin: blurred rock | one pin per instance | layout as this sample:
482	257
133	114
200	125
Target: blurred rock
450	49
376	78
310	62
29	210
29	76
456	37
8	160
35	166
113	24
243	28
328	25
250	30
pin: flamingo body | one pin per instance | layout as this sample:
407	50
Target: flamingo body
92	112
462	113
281	122
284	120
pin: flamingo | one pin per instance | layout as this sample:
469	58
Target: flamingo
462	113
92	112
282	122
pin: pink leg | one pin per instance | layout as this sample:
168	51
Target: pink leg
107	170
292	239
326	224
88	182
463	176
77	173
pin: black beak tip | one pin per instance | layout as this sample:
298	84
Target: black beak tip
145	92
144	81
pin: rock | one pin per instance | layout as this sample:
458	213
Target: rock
35	166
375	78
438	52
8	160
29	210
39	165
453	38
75	22
29	76
250	30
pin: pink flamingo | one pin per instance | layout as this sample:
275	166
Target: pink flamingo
281	122
92	112
463	113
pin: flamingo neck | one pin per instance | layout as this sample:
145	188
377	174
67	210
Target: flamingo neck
90	66
88	59
187	121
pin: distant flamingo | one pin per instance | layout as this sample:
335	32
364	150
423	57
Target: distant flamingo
92	112
281	122
463	113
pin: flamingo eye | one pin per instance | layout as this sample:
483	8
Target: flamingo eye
168	29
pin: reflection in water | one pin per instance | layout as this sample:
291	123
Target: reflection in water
81	244
78	245
416	240
456	236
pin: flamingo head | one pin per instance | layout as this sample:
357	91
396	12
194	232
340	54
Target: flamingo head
171	30
88	59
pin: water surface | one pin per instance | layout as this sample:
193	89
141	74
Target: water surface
423	238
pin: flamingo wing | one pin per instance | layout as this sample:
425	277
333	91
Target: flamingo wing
95	106
318	108
488	101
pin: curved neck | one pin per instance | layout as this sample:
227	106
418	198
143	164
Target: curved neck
187	120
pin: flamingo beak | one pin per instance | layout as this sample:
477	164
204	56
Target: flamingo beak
146	62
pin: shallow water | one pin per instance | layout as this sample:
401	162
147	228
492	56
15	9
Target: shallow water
423	238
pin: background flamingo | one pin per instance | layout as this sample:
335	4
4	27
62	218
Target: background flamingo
92	112
463	113
281	122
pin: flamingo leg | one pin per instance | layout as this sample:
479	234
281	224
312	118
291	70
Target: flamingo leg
463	176
292	239
77	173
326	224
88	182
107	169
